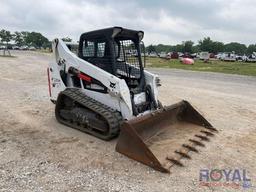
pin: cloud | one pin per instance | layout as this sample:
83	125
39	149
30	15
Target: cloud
166	22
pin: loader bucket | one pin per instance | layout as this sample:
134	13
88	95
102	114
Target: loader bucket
163	138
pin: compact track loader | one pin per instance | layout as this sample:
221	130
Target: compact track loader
105	91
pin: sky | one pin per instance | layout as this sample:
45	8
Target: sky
165	22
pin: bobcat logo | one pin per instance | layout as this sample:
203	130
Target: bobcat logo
112	85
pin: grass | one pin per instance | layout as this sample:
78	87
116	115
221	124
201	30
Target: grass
240	68
11	56
43	50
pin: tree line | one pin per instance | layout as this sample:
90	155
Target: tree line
206	44
35	39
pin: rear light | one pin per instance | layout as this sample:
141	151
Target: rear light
49	82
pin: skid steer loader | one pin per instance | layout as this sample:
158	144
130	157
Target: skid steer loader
105	91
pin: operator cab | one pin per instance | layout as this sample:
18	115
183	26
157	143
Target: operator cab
115	50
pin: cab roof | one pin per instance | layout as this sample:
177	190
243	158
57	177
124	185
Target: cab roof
113	32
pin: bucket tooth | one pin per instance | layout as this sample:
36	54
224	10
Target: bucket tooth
197	142
207	133
190	148
212	129
204	138
182	154
175	161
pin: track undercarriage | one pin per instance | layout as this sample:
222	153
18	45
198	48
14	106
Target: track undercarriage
75	109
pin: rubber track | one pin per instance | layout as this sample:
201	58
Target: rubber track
113	117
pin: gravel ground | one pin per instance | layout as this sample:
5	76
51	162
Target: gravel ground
39	154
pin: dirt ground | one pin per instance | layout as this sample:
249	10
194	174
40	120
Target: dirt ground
39	154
